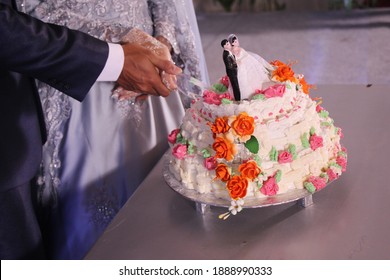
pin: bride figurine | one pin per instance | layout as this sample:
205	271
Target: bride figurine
253	70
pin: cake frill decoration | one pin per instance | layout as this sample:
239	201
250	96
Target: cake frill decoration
267	138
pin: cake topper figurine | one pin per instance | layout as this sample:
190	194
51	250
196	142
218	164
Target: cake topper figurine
253	72
231	68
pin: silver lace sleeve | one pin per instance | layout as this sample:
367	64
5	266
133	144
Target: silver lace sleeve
164	14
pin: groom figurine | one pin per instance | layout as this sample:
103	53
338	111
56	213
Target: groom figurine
231	68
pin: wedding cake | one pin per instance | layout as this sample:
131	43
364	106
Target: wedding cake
275	140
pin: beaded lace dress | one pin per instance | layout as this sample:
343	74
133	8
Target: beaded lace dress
95	157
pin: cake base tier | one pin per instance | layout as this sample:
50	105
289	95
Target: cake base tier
207	199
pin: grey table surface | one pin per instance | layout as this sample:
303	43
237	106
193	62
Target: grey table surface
348	220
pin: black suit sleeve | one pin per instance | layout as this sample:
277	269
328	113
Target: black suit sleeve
67	60
229	61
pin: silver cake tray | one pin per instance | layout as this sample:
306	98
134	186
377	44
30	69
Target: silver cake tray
204	201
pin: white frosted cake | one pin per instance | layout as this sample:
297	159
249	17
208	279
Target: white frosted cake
277	140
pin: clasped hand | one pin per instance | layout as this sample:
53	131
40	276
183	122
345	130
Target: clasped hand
148	68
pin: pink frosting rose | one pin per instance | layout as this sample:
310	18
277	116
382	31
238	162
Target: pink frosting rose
179	151
285	157
331	174
210	163
274	91
270	187
211	97
319	108
342	161
225	81
316	142
318	182
340	133
173	135
225	95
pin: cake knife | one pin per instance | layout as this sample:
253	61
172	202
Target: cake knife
194	82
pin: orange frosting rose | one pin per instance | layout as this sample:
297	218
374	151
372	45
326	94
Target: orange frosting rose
222	172
277	63
305	86
237	187
284	73
243	125
249	170
220	125
224	148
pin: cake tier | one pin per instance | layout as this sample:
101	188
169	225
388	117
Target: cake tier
259	147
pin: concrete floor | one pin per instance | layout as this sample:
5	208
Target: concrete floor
329	47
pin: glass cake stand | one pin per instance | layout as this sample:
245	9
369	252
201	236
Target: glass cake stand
204	201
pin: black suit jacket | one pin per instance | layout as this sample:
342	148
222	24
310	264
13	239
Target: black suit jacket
67	60
230	61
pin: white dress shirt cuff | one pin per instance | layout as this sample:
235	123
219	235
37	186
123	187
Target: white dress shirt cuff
114	64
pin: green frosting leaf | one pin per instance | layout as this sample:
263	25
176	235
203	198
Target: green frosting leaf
342	154
260	184
191	148
257	159
324	175
326	124
278	176
310	187
180	139
292	149
335	165
305	141
252	145
259	97
206	153
288	86
273	155
219	88
324	114
312	131
226	101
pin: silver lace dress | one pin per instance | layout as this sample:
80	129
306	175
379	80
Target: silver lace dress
95	158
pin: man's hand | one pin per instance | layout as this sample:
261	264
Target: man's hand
143	68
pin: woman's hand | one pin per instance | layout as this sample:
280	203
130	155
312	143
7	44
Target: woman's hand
165	41
148	65
143	68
